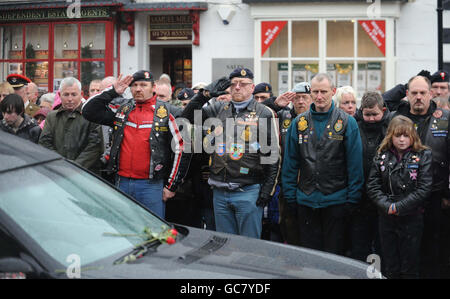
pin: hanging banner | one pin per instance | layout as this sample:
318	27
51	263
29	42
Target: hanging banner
269	32
377	32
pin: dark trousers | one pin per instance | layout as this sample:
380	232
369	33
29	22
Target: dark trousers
401	238
288	223
430	267
364	234
444	249
323	229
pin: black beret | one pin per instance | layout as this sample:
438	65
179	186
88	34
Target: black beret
262	87
241	73
440	76
142	76
17	80
185	94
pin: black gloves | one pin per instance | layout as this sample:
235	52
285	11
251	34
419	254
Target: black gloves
218	87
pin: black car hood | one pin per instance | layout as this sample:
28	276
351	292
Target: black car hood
228	256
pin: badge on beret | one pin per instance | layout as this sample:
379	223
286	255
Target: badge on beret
146	75
185	95
437	113
161	112
338	125
243	73
442	76
286	123
302	124
267	88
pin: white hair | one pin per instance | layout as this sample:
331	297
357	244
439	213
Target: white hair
48	97
69	81
344	90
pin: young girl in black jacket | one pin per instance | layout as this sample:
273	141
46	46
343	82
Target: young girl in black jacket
399	183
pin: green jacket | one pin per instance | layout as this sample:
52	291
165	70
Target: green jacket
73	137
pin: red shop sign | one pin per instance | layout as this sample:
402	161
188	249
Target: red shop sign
377	32
269	32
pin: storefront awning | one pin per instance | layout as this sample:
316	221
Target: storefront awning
21	5
312	1
164	6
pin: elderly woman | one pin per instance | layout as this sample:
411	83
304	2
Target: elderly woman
346	99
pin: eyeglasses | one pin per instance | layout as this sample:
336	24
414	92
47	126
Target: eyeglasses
241	84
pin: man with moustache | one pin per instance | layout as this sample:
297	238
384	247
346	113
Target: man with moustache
243	170
144	129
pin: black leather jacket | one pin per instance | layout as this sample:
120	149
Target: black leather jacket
28	129
433	129
407	182
243	167
164	164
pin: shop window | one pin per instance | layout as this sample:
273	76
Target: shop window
275	73
53	51
277	36
303	71
36	40
340	39
66	41
305	39
325	46
12	42
366	46
93	40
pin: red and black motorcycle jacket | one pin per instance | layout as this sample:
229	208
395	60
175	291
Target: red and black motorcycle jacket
163	162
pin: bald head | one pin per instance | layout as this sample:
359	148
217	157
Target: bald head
32	92
107	82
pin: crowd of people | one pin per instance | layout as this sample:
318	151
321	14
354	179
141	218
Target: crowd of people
306	168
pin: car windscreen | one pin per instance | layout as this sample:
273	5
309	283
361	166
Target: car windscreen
67	211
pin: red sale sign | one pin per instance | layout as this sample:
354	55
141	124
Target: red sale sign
377	32
269	32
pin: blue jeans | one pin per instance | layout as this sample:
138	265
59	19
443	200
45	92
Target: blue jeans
145	191
236	211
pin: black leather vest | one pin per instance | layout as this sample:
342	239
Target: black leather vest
435	135
237	157
323	165
160	137
285	116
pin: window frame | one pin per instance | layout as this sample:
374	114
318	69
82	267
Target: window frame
322	59
110	58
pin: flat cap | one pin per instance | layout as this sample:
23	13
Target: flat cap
17	81
263	87
440	76
142	75
241	73
185	94
302	87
